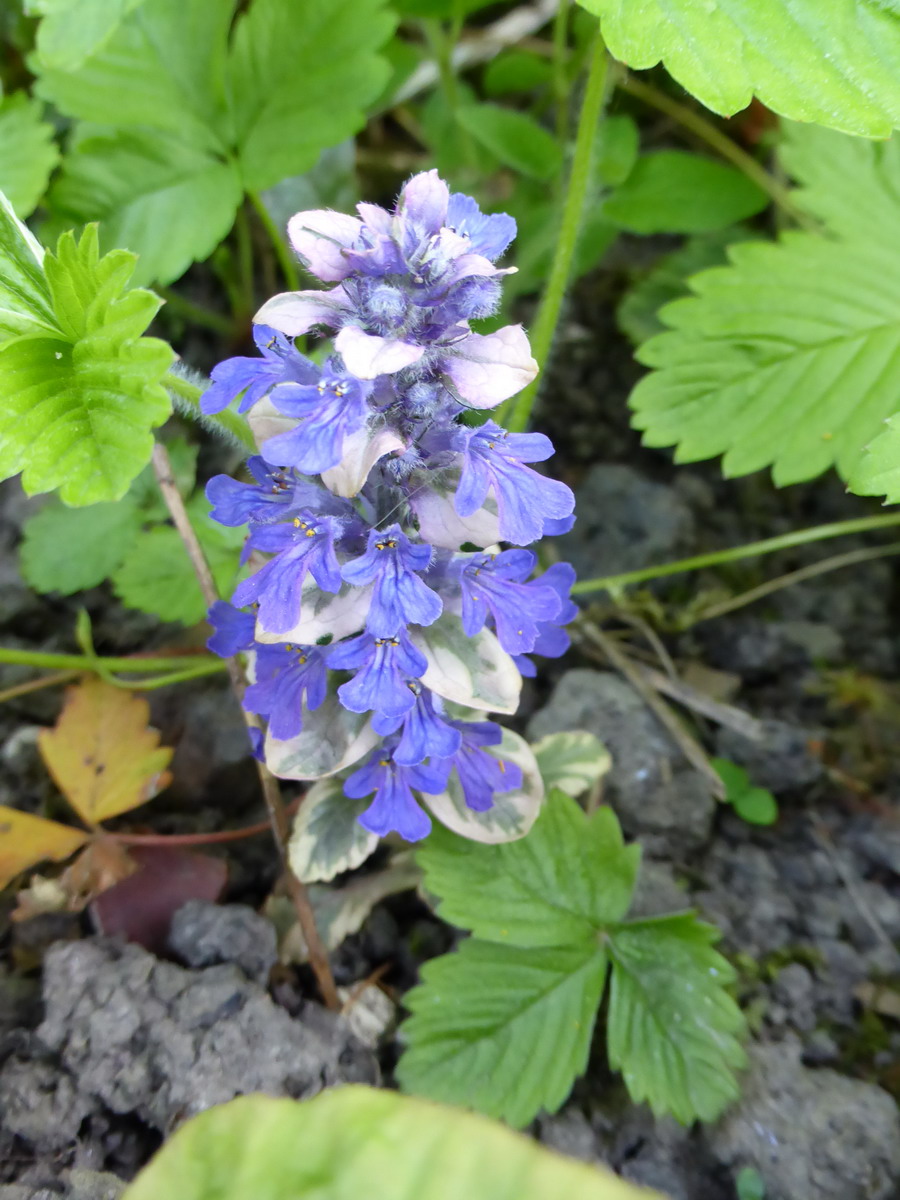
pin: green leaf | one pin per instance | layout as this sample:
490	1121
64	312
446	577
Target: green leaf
25	303
28	152
672	1025
569	877
337	1144
572	762
327	837
502	1029
517	140
73	29
516	71
735	778
840	72
80	401
69	549
618	142
757	806
878	473
670	191
790	357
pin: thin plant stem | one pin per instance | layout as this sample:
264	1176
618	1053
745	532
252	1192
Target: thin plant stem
36	685
79	663
278	818
560	63
704	129
149	685
279	245
196	313
518	411
226	422
197	839
785	541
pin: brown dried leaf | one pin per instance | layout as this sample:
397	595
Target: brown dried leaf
102	754
26	840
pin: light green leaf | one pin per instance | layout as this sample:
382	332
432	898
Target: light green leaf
332	738
475	672
169	202
617	145
572	762
757	806
672	1026
790	357
569	878
670	191
878	473
327	837
73	29
28	152
69	549
502	1029
337	1144
79	402
25	303
516	139
841	71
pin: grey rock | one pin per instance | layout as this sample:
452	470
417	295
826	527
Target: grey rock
657	892
820	1048
626	521
93	1185
877	846
570	1132
842	969
40	1104
873	915
13	1191
661	1154
748	902
780	760
657	796
795	989
151	1038
203	934
812	1135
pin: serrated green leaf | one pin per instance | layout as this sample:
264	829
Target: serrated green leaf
25	303
672	1027
670	191
69	549
79	402
514	138
878	473
790	357
572	762
502	1029
73	29
841	71
28	152
337	1144
568	878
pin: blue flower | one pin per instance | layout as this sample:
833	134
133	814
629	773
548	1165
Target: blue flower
328	412
426	733
482	774
488	234
493	458
552	641
306	545
284	675
235	503
280	363
394	808
386	667
492	585
399	597
234	630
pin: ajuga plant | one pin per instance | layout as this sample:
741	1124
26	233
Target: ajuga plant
383	618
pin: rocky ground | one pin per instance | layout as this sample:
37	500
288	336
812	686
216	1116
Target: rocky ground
105	1047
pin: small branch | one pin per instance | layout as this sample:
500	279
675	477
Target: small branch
198	839
35	685
278	818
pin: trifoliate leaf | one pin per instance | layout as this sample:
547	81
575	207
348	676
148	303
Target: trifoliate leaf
80	400
670	191
327	837
570	877
672	1027
878	473
73	29
26	840
25	302
514	138
69	549
337	1144
28	152
572	762
502	1029
102	754
841	71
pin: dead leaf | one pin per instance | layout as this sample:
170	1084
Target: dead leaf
102	754
26	840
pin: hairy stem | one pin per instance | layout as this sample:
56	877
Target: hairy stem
279	245
518	412
799	537
227	423
278	818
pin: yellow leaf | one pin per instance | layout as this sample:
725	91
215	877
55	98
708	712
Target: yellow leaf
26	840
102	754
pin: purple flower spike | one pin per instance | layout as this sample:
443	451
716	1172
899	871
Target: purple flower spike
426	733
234	630
481	774
284	674
492	585
400	597
304	546
328	413
385	670
525	500
394	809
280	363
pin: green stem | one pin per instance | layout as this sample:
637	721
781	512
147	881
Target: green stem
227	422
690	119
84	662
279	245
560	74
799	537
519	410
214	667
196	313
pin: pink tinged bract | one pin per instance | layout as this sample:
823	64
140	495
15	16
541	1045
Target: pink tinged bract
424	200
366	355
320	238
361	451
489	369
295	313
442	526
